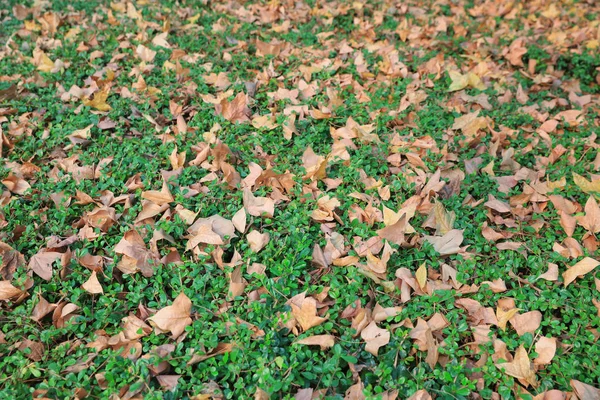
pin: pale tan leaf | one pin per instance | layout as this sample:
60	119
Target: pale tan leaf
421	276
578	270
520	367
174	318
239	220
545	347
585	391
526	323
92	285
304	310
41	264
258	206
8	291
257	241
375	337
325	341
585	185
447	244
551	274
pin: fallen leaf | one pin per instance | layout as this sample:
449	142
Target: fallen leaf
585	185
41	264
174	318
375	337
526	323
92	285
447	244
578	270
239	220
421	276
257	241
8	291
545	347
304	310
325	341
591	220
584	391
16	185
258	206
520	367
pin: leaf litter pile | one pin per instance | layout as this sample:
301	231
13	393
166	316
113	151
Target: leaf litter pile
300	199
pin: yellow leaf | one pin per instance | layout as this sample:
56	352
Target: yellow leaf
585	185
520	367
99	101
421	276
460	81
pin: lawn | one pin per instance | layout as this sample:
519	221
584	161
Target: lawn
299	199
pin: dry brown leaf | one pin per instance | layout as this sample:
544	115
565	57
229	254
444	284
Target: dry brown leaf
174	318
394	233
304	310
578	270
421	276
526	323
161	197
551	274
314	165
591	220
258	206
16	185
239	220
375	337
92	285
520	367
8	291
545	347
41	264
136	256
99	101
325	341
420	395
447	244
11	260
460	81
585	391
235	111
257	241
585	185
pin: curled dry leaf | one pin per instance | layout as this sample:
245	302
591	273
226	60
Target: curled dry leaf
325	341
235	111
580	269
239	220
8	291
304	310
136	256
258	206
520	368
16	185
11	260
174	318
447	244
